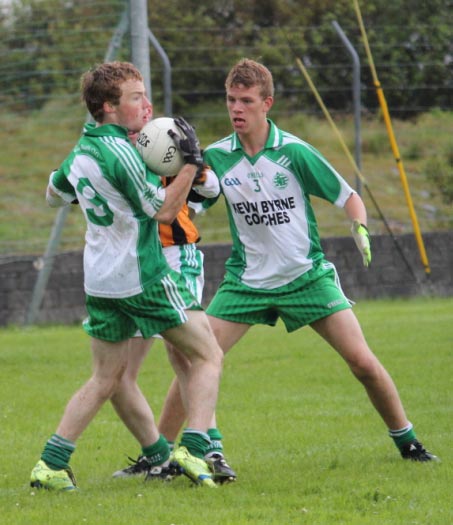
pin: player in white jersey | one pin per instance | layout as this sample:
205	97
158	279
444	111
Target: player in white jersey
277	267
128	283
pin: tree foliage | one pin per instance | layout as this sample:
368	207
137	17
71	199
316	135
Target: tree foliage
410	41
46	44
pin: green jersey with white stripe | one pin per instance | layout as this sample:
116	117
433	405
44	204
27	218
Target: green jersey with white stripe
273	226
118	197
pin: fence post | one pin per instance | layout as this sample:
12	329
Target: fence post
46	264
167	73
139	40
355	98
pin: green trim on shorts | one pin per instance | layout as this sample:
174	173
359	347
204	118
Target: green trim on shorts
160	306
314	295
192	269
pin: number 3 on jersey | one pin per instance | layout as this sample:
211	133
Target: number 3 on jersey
100	213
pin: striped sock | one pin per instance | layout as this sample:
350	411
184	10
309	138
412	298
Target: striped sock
158	452
57	452
195	441
403	435
215	447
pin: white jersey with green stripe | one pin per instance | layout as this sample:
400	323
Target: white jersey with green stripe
118	197
273	226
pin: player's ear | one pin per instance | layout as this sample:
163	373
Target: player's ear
108	107
268	103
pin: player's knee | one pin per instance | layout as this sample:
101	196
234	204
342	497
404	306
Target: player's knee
105	389
209	353
366	369
107	384
126	381
214	351
217	356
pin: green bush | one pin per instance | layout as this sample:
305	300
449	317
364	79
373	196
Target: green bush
439	171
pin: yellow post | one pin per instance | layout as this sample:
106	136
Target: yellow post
357	171
393	143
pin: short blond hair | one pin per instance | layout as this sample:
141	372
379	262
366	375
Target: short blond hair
250	73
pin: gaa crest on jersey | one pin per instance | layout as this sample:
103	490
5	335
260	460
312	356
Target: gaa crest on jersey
280	181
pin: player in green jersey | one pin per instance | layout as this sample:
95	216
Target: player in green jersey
277	267
179	243
128	283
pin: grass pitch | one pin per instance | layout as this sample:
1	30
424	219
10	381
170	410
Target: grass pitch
306	444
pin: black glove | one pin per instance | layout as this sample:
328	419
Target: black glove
189	146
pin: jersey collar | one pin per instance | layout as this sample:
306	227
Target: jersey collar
106	130
274	140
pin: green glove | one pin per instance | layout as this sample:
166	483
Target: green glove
362	240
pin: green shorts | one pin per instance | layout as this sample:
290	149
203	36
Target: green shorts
160	306
187	260
312	296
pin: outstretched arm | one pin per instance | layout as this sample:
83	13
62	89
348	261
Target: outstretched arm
356	212
355	209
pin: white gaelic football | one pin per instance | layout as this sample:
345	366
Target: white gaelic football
158	149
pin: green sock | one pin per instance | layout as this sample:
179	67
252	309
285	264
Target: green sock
216	441
57	452
171	445
195	441
403	435
158	452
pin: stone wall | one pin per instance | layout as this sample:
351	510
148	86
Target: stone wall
390	275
